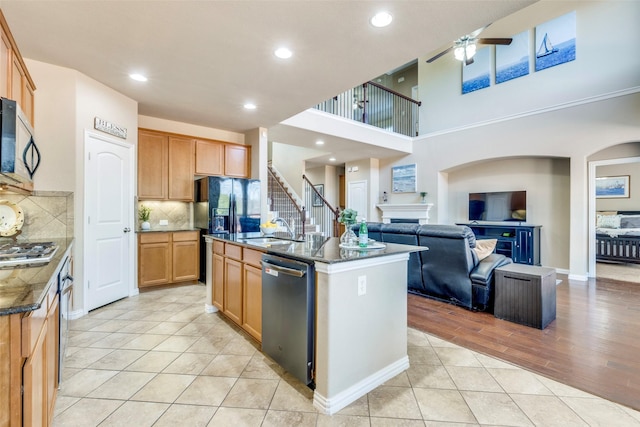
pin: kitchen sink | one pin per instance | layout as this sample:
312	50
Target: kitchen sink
266	241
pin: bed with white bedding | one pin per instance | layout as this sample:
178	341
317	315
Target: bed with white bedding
618	236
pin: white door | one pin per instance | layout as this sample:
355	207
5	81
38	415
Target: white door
357	198
108	196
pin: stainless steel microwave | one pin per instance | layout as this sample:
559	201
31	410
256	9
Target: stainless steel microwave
19	155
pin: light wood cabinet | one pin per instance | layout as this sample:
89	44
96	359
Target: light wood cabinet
153	155
209	158
53	351
165	166
168	257
186	255
15	80
180	169
236	160
237	285
233	290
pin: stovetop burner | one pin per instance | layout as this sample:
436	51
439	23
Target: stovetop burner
17	253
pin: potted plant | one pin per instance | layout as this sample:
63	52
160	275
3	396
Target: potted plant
144	212
348	217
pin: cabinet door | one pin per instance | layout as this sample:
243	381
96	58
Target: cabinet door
5	65
524	249
209	158
152	165
34	383
252	301
218	282
180	168
17	75
53	326
236	160
186	257
233	290
154	264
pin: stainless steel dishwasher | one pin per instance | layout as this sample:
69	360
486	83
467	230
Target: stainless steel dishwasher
288	314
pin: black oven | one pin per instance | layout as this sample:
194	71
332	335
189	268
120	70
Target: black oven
65	293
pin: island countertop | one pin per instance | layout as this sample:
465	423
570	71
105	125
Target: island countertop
327	250
23	288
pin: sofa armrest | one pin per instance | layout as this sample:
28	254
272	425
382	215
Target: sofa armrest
483	272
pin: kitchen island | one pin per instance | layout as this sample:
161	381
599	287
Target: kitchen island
360	312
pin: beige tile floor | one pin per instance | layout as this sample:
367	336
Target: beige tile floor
157	359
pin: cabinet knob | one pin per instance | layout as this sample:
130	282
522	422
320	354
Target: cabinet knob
126	229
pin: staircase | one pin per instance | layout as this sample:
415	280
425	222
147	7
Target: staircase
301	215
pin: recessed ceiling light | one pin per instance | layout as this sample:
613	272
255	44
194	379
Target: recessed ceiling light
283	53
319	142
138	77
332	159
381	19
250	106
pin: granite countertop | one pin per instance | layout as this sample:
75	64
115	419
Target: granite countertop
326	251
163	229
23	289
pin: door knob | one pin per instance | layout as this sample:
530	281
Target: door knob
126	229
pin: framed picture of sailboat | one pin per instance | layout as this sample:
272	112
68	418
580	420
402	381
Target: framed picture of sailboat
556	41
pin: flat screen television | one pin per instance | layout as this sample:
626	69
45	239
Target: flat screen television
498	206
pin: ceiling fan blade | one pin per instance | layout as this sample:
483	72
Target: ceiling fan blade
468	61
475	34
505	41
444	52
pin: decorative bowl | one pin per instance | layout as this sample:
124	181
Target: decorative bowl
268	231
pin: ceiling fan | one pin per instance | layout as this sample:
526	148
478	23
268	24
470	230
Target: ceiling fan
465	47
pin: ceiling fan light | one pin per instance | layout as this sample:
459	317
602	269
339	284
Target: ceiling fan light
458	53
471	50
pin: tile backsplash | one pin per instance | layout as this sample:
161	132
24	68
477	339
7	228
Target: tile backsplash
178	214
47	214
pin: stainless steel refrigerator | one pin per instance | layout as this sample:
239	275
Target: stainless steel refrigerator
226	205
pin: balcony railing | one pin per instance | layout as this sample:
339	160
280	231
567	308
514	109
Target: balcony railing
378	106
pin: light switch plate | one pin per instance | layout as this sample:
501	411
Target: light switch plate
164	222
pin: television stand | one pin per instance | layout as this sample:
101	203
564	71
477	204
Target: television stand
519	242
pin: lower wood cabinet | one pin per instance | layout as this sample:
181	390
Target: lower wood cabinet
29	353
237	285
168	257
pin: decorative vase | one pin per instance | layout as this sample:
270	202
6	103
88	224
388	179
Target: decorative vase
348	238
145	225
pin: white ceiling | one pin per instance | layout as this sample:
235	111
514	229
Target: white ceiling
205	59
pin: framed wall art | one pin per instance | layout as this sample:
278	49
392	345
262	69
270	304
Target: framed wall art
609	187
317	200
556	41
403	179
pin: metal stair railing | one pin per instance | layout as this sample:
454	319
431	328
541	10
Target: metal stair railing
378	106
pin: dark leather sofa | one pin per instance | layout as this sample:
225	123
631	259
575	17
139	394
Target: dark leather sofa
450	270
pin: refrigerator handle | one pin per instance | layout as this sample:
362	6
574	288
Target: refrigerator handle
233	226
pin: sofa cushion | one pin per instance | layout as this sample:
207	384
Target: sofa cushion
484	247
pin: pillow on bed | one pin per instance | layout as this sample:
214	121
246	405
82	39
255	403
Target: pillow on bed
608	221
630	221
484	247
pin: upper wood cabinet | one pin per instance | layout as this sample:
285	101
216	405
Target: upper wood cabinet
153	155
180	168
217	158
209	158
15	80
165	166
236	160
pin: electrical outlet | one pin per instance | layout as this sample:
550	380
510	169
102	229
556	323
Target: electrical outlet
164	222
362	285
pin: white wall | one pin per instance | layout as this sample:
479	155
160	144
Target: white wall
66	104
602	65
164	125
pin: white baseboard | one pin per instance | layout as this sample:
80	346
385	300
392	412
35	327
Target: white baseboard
332	405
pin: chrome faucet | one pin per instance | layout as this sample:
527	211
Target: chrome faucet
286	224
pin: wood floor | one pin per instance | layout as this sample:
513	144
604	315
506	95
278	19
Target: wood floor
593	345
